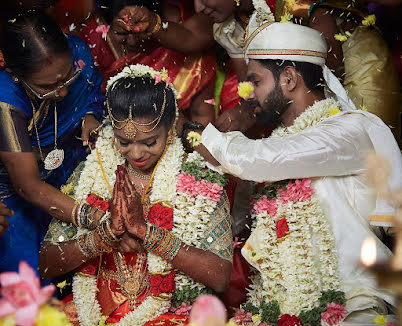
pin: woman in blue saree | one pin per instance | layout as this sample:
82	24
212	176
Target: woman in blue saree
50	103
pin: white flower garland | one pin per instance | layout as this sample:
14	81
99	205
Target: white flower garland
191	216
315	114
297	268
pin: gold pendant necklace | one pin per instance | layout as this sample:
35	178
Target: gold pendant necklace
55	157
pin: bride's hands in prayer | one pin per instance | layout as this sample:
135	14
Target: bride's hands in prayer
132	210
129	244
117	206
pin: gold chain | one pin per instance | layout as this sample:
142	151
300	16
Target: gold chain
36	128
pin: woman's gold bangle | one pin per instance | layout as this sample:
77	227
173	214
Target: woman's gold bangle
157	25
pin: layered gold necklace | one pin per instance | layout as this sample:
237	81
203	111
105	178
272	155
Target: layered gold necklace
55	157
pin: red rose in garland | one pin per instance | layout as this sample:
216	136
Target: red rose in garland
96	201
288	320
162	283
161	216
281	228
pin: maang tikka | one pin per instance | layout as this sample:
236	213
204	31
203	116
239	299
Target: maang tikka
131	127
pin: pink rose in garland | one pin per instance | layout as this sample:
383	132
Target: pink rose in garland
263	204
334	315
299	190
22	295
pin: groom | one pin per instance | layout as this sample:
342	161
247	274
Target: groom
322	139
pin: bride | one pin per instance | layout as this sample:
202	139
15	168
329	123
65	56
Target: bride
165	235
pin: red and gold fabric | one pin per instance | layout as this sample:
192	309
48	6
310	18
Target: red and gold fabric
190	73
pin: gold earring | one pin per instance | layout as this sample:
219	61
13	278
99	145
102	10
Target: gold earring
237	3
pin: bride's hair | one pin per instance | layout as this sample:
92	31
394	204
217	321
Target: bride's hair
144	96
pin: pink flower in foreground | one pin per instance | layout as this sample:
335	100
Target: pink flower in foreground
102	29
265	205
390	323
335	314
22	295
208	310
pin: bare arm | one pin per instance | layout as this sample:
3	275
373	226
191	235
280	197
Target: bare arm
194	35
199	110
56	259
203	266
24	174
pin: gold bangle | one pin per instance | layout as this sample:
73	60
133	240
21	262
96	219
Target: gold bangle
157	26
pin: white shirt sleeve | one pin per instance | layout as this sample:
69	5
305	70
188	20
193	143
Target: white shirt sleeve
337	146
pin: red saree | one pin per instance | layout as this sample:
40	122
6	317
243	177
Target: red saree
190	73
123	280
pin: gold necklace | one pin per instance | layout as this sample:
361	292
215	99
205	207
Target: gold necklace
136	174
133	280
55	157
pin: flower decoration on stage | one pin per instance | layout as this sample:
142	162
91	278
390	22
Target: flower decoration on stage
24	302
244	89
194	138
369	20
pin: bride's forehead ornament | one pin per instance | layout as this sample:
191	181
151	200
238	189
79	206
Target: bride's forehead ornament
129	125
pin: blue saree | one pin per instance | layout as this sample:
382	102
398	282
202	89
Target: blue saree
29	224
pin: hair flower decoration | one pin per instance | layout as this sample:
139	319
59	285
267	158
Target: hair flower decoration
244	89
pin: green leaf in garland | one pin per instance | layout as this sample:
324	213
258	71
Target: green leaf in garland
331	296
311	317
270	312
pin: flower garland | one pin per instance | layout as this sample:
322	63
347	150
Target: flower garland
315	114
297	260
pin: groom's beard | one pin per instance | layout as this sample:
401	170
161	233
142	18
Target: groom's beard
273	107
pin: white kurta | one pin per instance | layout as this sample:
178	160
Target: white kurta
333	154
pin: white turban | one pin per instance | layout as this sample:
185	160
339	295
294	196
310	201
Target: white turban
288	41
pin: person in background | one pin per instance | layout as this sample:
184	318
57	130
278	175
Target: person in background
160	34
372	84
50	104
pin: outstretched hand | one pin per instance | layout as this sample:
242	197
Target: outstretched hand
137	19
